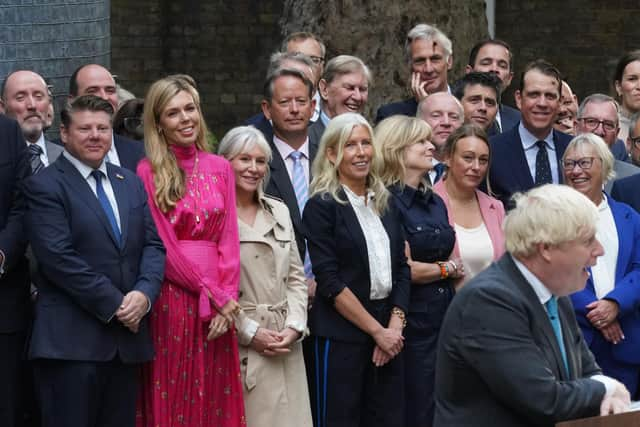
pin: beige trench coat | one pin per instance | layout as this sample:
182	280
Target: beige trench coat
273	295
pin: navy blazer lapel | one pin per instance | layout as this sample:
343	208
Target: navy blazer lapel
518	162
80	187
539	311
120	190
622	220
353	226
280	178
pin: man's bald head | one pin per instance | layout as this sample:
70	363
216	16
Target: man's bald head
94	79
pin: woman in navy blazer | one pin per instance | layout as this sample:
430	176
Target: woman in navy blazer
357	252
607	309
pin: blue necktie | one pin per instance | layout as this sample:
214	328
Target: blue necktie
301	188
543	168
552	311
104	201
439	168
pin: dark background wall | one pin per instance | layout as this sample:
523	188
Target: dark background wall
583	38
225	45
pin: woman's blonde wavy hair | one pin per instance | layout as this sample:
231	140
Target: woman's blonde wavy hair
168	178
393	135
326	179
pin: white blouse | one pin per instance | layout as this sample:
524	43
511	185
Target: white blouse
378	246
604	272
476	249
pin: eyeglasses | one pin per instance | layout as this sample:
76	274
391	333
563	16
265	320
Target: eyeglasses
635	141
584	163
317	59
592	124
133	124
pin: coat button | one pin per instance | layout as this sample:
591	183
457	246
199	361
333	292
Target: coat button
244	361
440	290
240	294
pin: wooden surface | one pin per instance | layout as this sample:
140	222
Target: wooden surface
629	419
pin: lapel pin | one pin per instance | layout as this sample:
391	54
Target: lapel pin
119	176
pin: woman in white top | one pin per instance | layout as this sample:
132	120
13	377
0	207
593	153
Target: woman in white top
475	216
607	308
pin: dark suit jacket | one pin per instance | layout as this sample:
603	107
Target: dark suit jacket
14	284
86	270
625	190
509	117
339	258
260	122
408	107
53	150
129	151
498	361
280	186
626	291
316	130
509	172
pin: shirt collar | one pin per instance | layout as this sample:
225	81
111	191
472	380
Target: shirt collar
356	200
408	194
325	119
285	149
84	169
539	288
529	141
604	204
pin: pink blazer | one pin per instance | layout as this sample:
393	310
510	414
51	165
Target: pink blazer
492	213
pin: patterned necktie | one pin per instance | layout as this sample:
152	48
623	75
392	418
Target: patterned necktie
543	169
301	188
104	201
34	158
552	311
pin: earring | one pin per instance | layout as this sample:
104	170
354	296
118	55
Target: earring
160	131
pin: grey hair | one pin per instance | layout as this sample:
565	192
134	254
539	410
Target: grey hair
427	32
598	98
602	151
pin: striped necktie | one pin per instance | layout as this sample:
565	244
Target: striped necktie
34	158
301	188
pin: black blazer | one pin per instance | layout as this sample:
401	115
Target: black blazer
408	107
260	122
339	258
14	284
509	172
280	186
86	269
498	361
625	190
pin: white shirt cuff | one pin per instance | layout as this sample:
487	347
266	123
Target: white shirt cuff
609	383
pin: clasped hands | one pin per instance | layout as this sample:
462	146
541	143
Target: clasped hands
223	320
603	315
389	342
268	342
134	306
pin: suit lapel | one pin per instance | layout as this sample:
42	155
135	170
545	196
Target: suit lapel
540	316
81	189
281	180
519	164
353	226
119	185
622	221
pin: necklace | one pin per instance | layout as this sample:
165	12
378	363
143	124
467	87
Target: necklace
193	180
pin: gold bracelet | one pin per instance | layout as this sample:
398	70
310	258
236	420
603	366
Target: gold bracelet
401	315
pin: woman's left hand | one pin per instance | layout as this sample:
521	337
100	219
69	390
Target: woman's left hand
218	326
602	312
456	268
288	336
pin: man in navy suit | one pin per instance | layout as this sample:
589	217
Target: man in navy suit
102	264
429	53
494	56
529	154
94	79
14	271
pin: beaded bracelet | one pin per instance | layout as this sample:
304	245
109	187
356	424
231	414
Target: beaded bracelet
444	269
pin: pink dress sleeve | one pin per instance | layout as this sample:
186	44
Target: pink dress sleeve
179	269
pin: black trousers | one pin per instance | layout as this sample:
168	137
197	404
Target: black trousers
350	391
12	381
86	394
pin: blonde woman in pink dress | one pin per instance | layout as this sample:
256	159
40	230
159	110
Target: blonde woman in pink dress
194	379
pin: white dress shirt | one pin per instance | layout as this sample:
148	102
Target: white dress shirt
85	171
545	295
285	150
604	272
378	246
531	151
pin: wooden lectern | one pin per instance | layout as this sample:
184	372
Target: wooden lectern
628	419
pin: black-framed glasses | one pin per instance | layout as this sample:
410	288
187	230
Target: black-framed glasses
583	163
591	123
635	141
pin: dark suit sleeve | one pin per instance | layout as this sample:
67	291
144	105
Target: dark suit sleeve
319	223
49	232
12	238
401	271
153	255
495	337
